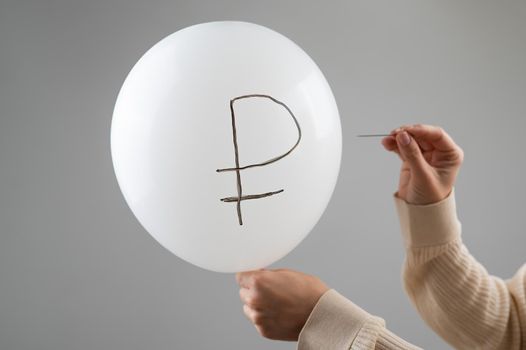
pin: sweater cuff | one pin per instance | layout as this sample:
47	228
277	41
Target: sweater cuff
390	341
334	323
428	225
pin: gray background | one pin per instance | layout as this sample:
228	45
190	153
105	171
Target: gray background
77	271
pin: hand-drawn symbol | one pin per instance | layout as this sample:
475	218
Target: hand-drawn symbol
237	168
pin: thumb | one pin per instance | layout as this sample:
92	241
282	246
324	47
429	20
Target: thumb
410	151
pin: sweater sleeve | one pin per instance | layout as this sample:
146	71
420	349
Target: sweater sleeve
336	323
454	293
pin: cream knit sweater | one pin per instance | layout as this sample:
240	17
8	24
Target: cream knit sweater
453	293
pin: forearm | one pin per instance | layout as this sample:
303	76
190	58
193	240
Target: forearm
338	324
453	293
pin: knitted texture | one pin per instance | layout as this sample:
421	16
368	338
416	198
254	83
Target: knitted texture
453	293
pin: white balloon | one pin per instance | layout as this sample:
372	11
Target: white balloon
172	130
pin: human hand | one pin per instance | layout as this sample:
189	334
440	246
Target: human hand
430	162
278	302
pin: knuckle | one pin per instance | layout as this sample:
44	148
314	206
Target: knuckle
460	155
243	295
418	125
252	301
457	156
247	311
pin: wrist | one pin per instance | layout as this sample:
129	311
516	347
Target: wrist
430	224
417	197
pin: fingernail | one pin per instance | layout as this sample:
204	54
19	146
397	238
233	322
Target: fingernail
404	138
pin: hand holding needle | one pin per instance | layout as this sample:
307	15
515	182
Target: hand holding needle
430	161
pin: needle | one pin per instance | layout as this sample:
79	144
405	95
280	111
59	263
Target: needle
374	135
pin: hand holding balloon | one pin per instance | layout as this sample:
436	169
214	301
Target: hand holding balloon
431	161
278	302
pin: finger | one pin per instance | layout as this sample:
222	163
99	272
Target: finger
239	277
404	176
246	296
400	128
389	143
394	131
424	145
410	152
250	313
245	279
434	136
281	270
